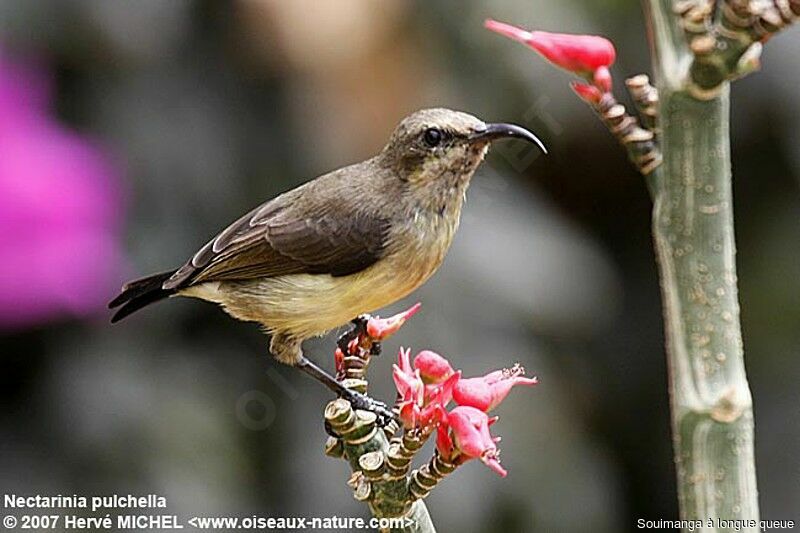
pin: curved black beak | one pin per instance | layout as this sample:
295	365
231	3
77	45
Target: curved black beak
501	131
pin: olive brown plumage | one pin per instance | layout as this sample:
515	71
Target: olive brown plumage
346	243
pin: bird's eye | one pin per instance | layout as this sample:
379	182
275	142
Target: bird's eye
433	136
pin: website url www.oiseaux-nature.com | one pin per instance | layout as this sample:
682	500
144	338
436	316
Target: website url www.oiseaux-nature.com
342	523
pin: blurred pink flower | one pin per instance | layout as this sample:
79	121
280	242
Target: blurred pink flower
588	56
60	208
577	53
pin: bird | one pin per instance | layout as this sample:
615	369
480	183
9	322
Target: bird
341	245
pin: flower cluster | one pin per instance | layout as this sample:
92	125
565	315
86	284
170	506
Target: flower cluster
424	388
588	56
428	384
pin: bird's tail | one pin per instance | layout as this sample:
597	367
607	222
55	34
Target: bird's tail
140	293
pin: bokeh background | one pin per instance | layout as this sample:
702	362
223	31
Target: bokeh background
130	132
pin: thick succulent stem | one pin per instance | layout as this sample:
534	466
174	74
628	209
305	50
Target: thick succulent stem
694	239
645	97
640	143
425	479
365	446
726	37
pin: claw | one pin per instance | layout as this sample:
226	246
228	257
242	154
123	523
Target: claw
345	342
366	403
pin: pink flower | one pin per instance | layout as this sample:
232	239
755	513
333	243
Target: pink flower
444	443
381	328
580	54
464	435
60	208
410	388
407	380
432	367
441	394
588	56
420	405
485	393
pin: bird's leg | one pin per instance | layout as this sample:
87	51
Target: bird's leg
356	399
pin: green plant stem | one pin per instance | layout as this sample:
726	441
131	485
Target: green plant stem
385	496
693	233
366	448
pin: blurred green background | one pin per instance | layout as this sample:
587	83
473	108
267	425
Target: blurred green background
200	110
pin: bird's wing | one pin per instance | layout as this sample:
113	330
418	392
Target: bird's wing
279	238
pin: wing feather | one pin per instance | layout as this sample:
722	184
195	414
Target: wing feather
278	238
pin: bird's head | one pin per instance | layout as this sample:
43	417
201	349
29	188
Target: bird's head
437	150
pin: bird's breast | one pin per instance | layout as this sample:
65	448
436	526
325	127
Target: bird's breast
423	241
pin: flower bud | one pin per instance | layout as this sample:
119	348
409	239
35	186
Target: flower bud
432	367
581	54
381	328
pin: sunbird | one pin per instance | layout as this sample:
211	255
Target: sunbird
341	245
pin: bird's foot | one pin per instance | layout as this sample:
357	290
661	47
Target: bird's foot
367	403
356	333
357	400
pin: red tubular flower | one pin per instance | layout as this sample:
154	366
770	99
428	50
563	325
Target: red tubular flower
409	413
442	394
430	416
421	405
432	367
444	444
406	379
581	54
424	414
464	435
411	389
485	393
381	328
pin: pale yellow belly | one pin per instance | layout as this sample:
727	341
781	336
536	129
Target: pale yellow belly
306	305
